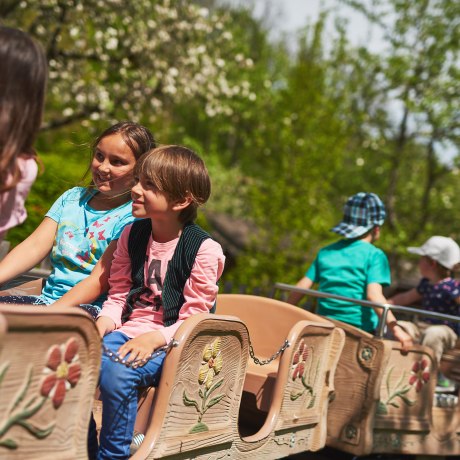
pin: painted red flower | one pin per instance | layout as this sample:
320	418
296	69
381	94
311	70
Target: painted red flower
63	371
298	362
420	374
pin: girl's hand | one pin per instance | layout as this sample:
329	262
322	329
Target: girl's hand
140	348
104	325
403	337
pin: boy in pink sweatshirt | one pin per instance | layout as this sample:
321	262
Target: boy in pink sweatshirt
165	269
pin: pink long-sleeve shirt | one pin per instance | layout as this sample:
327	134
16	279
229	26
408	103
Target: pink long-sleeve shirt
12	207
200	290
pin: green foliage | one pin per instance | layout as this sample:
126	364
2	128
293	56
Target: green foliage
286	138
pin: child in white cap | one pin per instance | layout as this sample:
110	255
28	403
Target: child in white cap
437	291
353	267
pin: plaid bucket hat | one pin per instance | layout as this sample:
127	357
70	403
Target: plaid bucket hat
361	213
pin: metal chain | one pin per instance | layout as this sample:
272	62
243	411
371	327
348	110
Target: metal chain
115	358
263	362
173	343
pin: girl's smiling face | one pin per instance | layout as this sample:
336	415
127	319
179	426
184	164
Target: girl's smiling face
112	166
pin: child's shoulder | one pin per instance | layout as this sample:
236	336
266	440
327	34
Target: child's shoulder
449	283
211	246
76	192
352	246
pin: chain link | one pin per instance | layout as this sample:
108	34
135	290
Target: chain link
263	362
173	343
115	358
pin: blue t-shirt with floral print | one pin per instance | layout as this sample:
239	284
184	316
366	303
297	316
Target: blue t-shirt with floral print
82	235
440	298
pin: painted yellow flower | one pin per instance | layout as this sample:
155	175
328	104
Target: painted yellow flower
211	364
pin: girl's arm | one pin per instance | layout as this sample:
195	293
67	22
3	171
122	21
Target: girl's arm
375	294
89	289
30	252
120	281
405	298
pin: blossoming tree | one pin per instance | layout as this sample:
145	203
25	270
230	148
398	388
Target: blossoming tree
115	59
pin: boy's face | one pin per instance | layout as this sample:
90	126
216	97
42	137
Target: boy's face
148	201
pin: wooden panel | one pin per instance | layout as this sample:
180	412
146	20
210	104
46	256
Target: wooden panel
49	360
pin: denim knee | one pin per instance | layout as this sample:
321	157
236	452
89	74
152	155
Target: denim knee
116	378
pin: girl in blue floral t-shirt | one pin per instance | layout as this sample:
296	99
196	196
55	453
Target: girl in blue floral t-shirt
84	221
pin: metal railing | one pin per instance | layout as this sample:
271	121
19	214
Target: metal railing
366	303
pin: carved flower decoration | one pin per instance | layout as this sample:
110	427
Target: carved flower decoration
420	374
63	371
211	364
298	362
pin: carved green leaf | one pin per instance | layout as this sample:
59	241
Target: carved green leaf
39	433
408	401
3	371
382	409
216	385
23	391
404	390
388	380
189	402
295	396
214	401
9	443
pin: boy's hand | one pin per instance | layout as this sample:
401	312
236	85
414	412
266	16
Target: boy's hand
403	337
140	348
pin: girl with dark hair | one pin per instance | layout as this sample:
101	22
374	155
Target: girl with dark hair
23	75
84	221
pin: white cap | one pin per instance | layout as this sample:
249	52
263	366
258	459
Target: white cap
442	249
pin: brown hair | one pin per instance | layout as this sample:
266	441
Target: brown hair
137	137
178	172
23	75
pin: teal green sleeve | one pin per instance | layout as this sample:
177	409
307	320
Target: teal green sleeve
379	269
312	273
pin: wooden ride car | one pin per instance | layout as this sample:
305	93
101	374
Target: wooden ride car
222	395
384	398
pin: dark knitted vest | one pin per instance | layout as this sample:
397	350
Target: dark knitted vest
177	274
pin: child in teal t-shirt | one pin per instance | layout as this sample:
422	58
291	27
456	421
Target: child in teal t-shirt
353	267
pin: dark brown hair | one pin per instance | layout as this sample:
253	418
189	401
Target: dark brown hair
178	172
23	75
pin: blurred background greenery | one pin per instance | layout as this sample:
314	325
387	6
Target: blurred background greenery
287	136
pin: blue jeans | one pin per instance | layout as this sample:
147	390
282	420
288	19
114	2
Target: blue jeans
119	386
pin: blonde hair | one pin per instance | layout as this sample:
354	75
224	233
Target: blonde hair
178	172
